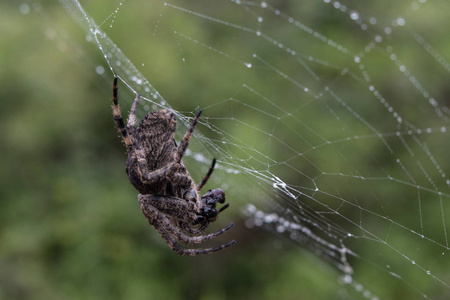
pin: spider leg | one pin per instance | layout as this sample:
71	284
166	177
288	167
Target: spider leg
185	141
177	208
194	252
181	236
164	225
167	173
118	117
223	208
188	252
205	179
155	205
203	227
129	131
132	115
190	230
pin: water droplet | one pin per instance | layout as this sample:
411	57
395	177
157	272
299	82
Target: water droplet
354	15
433	102
24	9
100	70
401	21
280	228
347	279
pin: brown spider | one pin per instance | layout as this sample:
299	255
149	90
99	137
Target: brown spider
168	196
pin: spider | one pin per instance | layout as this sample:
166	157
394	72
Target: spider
168	196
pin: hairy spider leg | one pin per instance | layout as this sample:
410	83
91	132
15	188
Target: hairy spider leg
131	126
205	179
129	131
185	142
179	211
189	252
181	236
118	117
132	115
164	225
176	209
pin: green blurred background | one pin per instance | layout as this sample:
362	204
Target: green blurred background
70	226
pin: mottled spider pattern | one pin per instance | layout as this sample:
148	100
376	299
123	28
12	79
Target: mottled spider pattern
168	196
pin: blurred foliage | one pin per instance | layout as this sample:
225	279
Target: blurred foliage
70	225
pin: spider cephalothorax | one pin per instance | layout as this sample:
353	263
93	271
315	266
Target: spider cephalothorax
169	197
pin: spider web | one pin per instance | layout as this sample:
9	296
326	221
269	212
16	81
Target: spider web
329	120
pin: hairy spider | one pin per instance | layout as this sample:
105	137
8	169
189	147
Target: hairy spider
169	197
